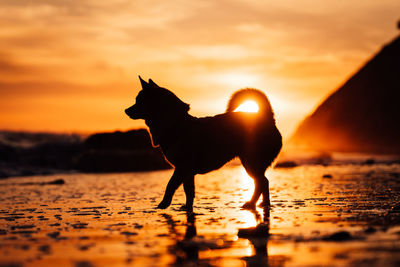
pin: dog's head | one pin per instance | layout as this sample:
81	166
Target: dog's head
139	109
154	102
158	106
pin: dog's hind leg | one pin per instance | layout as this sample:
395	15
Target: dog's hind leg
188	186
265	193
261	184
173	184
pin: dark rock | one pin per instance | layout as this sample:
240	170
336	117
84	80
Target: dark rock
130	140
45	249
128	233
86	247
83	264
369	162
121	161
119	152
370	230
286	164
26	226
23	154
54	235
57	182
339	236
138	226
79	225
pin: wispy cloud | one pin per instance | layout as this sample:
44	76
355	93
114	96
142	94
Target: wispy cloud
69	49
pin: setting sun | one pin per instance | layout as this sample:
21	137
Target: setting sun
248	106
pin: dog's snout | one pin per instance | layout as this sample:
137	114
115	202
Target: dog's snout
133	112
129	111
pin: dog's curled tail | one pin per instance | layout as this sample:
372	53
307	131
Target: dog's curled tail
242	95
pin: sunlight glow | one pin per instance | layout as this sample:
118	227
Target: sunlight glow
248	106
236	79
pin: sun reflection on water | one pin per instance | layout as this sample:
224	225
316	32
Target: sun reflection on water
246	183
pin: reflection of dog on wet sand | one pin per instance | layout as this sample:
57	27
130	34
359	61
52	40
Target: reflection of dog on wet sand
200	145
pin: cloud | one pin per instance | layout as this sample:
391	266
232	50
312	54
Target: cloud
297	50
8	67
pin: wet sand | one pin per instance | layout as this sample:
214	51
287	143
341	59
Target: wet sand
346	215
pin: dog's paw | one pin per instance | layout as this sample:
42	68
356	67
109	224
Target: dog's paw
163	205
186	208
249	206
263	204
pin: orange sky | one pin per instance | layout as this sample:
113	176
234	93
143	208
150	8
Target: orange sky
72	65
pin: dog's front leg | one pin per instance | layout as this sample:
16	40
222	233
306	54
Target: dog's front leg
173	184
188	186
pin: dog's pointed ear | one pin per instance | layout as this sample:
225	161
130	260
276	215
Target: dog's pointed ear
143	83
153	83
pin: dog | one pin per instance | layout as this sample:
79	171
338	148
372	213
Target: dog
200	145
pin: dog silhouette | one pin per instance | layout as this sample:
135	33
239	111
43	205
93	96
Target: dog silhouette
200	145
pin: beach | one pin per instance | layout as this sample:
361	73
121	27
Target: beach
335	215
